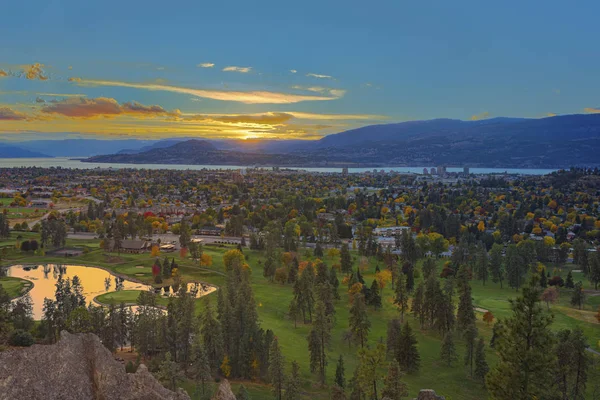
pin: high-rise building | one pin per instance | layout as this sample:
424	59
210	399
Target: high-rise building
345	171
466	170
425	172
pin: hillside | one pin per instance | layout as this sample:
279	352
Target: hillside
10	151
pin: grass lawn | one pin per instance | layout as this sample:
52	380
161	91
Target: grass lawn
125	296
13	286
273	299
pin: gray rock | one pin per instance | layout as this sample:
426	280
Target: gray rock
78	367
224	391
428	394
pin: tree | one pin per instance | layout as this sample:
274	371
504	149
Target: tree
242	393
594	268
375	295
394	388
569	282
550	295
394	329
428	267
169	373
370	360
524	345
407	353
319	339
572	363
276	368
481	365
345	259
465	316
578	296
401	299
359	320
292	384
448	351
496	265
200	366
470	336
340	373
417	304
488	317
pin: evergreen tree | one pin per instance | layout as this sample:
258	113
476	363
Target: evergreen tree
394	388
470	335
319	338
496	265
211	334
276	368
481	264
169	373
293	272
359	320
242	393
375	295
417	304
578	296
573	363
481	365
394	329
524	345
401	299
201	368
465	316
569	282
429	267
448	352
407	353
292	386
340	373
371	360
335	283
345	259
318	250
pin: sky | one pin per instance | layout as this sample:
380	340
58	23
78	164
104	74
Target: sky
287	70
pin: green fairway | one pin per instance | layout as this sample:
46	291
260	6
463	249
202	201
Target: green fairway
14	286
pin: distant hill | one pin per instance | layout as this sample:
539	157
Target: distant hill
161	144
560	141
82	147
199	152
10	151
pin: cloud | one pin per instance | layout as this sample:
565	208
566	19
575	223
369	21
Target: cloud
319	76
35	71
481	116
271	118
3	73
62	94
205	65
232	68
293	71
103	107
333	117
8	114
322	90
550	114
592	110
74	79
252	97
39	100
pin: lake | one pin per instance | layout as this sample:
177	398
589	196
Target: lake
76	164
44	278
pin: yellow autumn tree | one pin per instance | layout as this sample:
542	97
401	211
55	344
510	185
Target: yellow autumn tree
481	226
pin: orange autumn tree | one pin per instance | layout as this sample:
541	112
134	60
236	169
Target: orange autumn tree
488	317
155	252
206	260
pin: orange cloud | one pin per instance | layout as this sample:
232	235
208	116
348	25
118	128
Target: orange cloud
253	97
550	114
481	116
8	114
3	73
102	107
74	79
592	110
273	118
35	71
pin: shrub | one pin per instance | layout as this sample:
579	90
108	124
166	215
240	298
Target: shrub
556	281
21	338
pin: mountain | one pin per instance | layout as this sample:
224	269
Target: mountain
83	147
11	151
161	144
200	152
560	141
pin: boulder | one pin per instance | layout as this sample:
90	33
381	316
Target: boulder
77	367
224	391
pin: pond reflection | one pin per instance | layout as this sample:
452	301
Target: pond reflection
95	281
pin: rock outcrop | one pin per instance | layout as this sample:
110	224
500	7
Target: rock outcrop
78	367
428	394
224	392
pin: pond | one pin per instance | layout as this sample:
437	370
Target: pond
93	280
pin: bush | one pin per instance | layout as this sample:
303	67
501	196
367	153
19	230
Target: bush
130	367
556	281
21	338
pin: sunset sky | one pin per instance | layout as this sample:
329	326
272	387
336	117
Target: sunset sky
287	70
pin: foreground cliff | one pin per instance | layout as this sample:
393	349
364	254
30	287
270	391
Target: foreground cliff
77	367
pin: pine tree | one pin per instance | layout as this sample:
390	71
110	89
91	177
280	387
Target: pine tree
481	365
470	335
417	304
345	259
242	393
318	250
292	385
448	350
169	373
375	295
569	284
335	283
401	299
394	329
340	373
200	366
496	266
359	320
578	296
573	363
211	334
481	264
394	388
407	353
319	339
429	267
524	346
276	368
465	316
